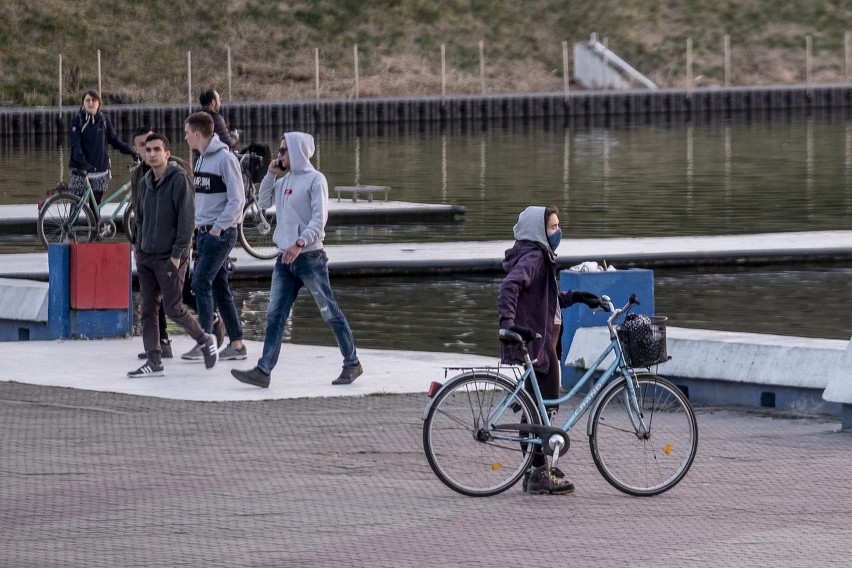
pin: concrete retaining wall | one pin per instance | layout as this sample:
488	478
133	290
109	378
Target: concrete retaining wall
759	370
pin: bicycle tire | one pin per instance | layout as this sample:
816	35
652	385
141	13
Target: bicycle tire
256	232
460	451
55	225
129	223
643	465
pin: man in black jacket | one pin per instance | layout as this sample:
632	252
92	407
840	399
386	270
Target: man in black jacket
211	103
165	221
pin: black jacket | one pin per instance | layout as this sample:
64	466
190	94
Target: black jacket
165	219
89	137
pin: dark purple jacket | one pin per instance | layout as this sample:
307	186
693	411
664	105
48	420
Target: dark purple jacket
529	296
89	137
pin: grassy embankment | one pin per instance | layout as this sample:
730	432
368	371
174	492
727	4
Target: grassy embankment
144	45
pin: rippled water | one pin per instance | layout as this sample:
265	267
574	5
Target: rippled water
724	176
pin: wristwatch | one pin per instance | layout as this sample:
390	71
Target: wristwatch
300	243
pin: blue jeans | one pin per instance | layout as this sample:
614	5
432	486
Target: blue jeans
210	282
310	269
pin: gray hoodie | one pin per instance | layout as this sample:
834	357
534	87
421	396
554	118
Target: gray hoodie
219	191
300	196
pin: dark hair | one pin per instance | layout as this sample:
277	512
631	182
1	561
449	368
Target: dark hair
161	137
548	211
140	130
94	94
200	122
207	97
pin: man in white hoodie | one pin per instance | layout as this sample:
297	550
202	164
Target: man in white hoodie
301	205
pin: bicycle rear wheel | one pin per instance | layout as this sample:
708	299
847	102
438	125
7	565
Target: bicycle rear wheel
129	223
256	232
58	223
464	451
649	464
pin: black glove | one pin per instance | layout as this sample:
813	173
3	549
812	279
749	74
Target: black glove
526	333
88	168
587	298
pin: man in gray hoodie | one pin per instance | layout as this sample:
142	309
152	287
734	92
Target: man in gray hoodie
301	208
164	220
219	201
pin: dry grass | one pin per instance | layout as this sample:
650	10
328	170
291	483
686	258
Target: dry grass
144	45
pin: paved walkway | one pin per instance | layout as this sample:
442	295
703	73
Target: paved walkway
91	479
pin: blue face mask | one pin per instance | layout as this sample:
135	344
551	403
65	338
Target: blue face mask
554	239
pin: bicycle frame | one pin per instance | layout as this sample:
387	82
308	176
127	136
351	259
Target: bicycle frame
618	366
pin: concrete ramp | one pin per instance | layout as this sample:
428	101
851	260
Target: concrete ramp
596	67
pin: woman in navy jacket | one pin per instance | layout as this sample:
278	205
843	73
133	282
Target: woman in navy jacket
91	133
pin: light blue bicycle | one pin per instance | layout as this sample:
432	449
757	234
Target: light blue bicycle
480	426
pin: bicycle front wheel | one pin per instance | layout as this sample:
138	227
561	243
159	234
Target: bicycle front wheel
644	463
256	232
63	220
465	444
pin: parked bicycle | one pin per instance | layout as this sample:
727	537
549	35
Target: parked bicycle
480	427
258	225
65	217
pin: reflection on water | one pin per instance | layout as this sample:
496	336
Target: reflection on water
459	315
618	178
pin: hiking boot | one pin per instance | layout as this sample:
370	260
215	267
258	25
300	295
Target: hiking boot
231	353
219	331
544	481
253	376
165	348
348	374
210	351
149	369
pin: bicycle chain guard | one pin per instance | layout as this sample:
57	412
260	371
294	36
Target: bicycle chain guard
106	228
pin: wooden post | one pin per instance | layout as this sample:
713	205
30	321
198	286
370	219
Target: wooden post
60	86
847	50
689	67
726	48
100	87
189	81
565	71
443	70
357	80
230	94
316	69
482	66
808	49
606	62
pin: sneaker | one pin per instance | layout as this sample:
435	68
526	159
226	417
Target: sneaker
147	370
543	481
166	351
211	351
194	354
253	376
219	330
231	353
348	374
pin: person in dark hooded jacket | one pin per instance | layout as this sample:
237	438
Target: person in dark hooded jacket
530	303
89	137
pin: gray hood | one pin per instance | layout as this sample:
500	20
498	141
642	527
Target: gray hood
531	226
300	146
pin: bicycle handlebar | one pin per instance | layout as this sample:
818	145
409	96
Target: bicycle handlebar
606	304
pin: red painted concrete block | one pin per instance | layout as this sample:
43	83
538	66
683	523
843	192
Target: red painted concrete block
100	276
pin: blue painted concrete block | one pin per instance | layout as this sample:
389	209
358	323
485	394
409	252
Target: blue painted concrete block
618	285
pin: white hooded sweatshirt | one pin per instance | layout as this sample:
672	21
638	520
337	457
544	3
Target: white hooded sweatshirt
300	196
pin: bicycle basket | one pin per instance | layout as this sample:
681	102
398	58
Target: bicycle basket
643	340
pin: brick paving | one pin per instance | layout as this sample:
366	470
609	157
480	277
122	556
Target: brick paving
97	479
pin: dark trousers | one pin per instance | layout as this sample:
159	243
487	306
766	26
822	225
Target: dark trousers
548	382
161	283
